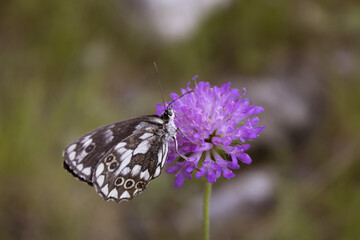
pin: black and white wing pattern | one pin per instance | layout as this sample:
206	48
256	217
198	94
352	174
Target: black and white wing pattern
121	158
83	154
127	168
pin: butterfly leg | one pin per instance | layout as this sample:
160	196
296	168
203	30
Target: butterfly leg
178	129
183	113
183	156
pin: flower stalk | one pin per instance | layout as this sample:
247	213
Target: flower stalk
206	223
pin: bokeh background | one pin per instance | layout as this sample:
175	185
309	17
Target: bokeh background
67	67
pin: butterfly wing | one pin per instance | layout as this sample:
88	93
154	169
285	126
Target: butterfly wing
126	169
82	155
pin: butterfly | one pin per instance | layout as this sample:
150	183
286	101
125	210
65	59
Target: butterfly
120	159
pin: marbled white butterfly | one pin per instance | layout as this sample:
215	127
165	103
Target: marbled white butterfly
120	159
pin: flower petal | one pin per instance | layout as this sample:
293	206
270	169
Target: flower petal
179	179
226	141
174	168
216	141
227	173
211	176
245	158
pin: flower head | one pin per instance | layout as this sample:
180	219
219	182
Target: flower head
219	120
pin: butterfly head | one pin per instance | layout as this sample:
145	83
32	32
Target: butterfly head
168	114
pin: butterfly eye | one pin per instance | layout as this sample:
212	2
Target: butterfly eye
169	113
90	148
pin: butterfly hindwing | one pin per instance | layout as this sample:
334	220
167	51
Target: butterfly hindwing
82	155
125	170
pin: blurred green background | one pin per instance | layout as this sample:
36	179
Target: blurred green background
67	67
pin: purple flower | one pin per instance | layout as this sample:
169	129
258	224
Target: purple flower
219	120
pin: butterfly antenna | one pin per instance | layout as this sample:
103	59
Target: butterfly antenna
157	76
180	97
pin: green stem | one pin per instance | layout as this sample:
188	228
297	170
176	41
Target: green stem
206	227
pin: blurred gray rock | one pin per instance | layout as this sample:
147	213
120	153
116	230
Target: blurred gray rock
287	110
172	20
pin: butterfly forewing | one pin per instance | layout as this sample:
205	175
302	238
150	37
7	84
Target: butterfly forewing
82	155
126	169
121	158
